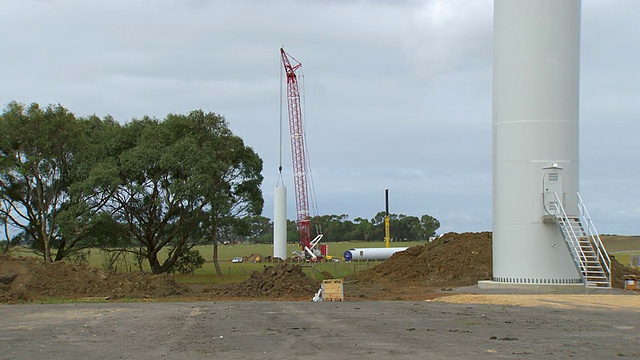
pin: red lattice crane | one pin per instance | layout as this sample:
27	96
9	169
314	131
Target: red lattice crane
298	156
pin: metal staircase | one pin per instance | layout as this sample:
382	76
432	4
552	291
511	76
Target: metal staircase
584	243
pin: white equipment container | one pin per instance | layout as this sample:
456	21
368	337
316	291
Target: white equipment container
536	58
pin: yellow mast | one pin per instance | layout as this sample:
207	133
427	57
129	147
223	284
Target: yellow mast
386	218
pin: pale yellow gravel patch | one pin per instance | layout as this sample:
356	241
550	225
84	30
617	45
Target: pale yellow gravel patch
564	301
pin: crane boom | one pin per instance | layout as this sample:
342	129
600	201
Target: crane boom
291	66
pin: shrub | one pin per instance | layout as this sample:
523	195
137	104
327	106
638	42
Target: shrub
188	262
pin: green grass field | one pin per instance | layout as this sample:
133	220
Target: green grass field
228	252
238	272
622	247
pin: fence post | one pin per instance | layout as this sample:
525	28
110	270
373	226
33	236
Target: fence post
355	272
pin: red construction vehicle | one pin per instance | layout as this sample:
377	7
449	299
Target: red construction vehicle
299	159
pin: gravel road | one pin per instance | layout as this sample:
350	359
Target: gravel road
305	330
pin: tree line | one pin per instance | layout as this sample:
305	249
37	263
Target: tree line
339	228
72	183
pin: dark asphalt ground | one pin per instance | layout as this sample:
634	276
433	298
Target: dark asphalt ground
306	330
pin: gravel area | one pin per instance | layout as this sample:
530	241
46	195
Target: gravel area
444	328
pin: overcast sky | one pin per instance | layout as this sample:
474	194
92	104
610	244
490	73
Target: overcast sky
397	93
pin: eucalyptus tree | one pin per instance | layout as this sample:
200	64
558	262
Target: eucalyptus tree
429	225
363	229
86	219
178	182
260	229
38	150
5	227
407	228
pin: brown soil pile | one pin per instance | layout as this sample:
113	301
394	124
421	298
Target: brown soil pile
618	271
451	260
281	281
28	279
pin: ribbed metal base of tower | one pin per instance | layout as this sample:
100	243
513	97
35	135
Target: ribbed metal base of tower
534	288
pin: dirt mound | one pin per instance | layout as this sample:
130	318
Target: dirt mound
28	279
281	281
618	271
451	260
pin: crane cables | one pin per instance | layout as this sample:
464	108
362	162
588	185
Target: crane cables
280	181
312	188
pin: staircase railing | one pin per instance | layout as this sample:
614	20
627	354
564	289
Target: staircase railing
594	238
570	237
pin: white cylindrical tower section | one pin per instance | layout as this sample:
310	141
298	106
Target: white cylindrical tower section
280	222
371	253
536	55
